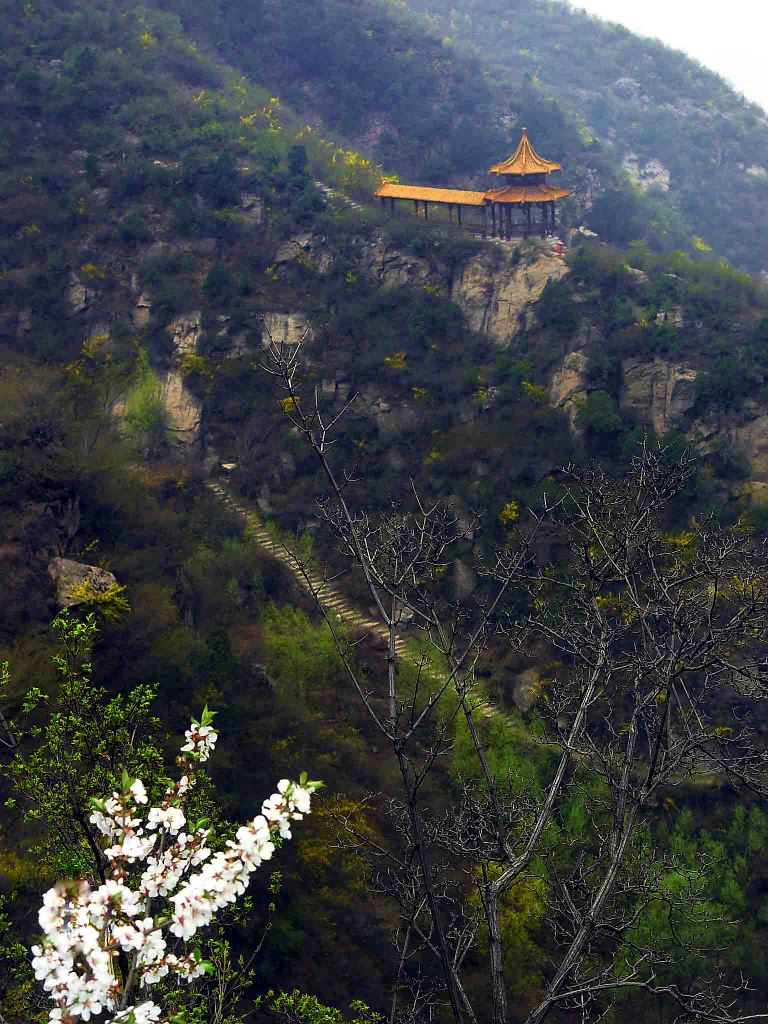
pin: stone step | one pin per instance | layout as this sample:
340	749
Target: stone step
332	600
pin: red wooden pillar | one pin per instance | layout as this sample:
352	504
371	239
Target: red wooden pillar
485	221
416	206
450	212
554	219
493	220
527	219
458	211
392	206
426	210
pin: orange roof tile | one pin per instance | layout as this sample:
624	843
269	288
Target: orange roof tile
431	195
526	194
525	160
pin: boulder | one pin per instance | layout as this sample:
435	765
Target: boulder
525	689
185	332
78	296
75	579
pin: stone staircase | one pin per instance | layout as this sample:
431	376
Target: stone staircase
336	605
332	193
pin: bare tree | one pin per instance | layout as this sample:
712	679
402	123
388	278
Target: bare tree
250	442
659	642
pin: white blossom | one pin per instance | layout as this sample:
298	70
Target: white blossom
170	818
201	739
145	1013
138	792
151	859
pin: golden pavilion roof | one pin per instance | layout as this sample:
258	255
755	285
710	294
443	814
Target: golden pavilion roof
526	194
431	195
525	160
460	197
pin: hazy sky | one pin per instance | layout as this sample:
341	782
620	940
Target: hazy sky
729	37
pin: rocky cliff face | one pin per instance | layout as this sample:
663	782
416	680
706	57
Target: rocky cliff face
659	393
493	288
569	384
183	409
494	285
663	395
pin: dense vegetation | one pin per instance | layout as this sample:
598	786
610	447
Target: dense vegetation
143	185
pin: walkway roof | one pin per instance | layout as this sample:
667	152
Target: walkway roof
431	195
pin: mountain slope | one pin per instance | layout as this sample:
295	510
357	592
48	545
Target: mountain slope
657	111
157	208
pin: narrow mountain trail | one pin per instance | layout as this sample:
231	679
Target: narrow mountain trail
332	193
335	604
338	606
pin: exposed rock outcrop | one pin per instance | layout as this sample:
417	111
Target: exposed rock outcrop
495	295
286	328
77	582
658	393
742	432
653	174
183	409
142	311
252	207
463	579
751	437
493	287
295	248
185	332
78	296
569	384
526	689
23	322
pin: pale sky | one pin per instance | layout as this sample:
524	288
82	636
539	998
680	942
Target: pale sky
728	36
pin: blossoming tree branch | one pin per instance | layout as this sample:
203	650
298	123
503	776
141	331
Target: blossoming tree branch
105	947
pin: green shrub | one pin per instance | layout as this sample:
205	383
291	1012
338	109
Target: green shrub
134	227
556	309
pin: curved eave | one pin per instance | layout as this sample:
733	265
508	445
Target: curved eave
526	194
515	167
